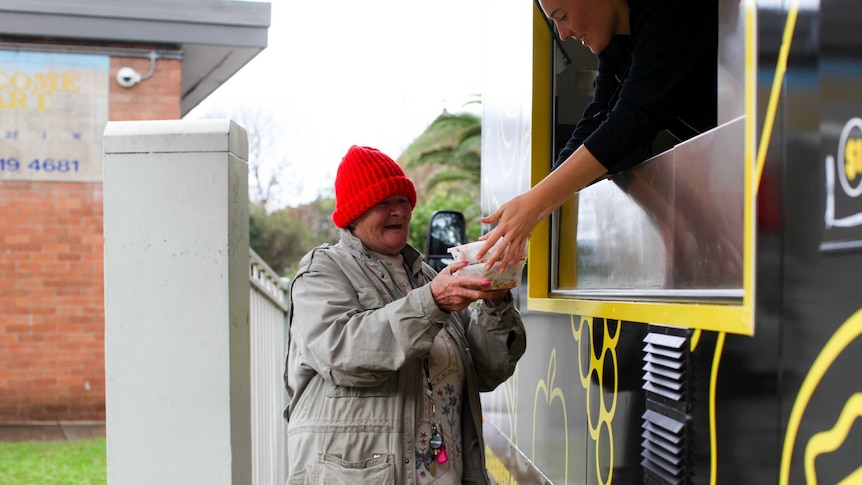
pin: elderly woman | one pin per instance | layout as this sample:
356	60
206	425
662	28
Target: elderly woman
386	358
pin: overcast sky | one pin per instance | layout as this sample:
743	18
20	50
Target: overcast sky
346	72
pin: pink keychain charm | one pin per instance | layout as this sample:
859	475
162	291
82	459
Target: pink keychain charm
441	456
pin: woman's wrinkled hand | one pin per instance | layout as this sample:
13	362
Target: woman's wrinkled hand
453	293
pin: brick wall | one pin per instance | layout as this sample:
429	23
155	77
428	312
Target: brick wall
52	318
157	98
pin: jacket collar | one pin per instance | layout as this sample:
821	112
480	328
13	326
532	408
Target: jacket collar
352	243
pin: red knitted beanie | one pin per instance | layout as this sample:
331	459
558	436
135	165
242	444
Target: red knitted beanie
365	177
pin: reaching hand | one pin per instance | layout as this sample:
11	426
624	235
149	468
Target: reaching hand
515	221
517	218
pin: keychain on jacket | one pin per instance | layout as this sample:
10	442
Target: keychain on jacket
438	448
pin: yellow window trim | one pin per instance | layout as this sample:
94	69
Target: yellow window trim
731	318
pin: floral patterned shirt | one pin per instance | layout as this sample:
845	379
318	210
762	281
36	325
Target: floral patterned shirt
447	383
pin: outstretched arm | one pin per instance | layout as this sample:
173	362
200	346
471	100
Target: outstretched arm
517	218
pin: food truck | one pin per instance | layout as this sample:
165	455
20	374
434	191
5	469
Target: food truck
704	324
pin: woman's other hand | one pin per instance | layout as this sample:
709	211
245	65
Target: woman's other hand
453	293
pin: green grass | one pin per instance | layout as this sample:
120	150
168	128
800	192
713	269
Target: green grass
54	463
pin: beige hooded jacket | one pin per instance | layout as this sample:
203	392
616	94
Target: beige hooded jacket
354	371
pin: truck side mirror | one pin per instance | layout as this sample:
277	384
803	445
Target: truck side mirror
445	229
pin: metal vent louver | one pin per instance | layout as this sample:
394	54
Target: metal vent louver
663	449
663	367
665	423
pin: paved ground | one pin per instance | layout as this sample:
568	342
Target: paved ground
52	431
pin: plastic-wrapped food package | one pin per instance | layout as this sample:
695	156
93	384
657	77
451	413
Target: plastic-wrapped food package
509	278
467	252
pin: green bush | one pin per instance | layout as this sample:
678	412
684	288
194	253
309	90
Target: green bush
440	200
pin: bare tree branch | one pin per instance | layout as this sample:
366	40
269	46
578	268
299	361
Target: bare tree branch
270	143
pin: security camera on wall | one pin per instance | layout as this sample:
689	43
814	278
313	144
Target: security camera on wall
128	77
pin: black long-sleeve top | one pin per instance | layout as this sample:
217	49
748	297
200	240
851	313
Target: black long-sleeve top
662	76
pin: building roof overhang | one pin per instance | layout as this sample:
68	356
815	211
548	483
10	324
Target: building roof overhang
216	37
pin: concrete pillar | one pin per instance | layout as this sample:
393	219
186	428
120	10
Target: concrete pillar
177	303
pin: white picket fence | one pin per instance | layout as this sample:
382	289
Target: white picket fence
267	337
